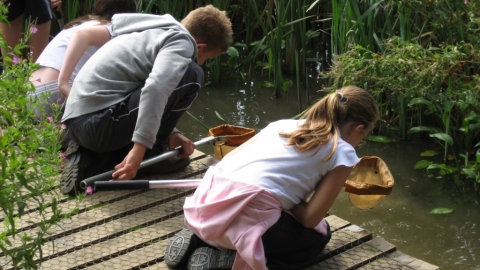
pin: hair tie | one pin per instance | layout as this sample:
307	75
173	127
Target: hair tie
340	94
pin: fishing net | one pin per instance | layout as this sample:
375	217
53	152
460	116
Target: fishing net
235	136
369	182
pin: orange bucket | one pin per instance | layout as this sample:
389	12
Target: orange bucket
235	136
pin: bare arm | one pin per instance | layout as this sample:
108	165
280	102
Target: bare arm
177	139
128	168
92	36
311	213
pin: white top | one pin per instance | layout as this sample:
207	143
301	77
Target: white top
53	55
285	172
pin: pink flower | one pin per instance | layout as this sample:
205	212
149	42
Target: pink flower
39	79
62	167
33	29
16	60
89	190
59	100
31	155
63	126
49	119
63	155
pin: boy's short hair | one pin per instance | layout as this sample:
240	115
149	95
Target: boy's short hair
211	26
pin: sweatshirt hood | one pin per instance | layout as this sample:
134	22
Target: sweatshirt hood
125	23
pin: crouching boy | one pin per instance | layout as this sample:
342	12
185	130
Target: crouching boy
128	97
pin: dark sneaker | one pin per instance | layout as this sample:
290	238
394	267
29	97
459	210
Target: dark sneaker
178	251
75	170
206	258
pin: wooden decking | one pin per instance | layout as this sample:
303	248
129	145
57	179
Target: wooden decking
131	229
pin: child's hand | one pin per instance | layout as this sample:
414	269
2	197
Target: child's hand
177	139
128	168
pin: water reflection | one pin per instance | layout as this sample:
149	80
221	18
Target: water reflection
449	241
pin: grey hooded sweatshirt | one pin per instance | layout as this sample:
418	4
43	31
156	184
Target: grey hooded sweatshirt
152	51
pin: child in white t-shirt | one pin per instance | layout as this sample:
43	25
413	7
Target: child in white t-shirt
250	210
65	55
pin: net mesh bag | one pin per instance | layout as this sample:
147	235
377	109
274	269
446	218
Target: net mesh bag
369	182
235	136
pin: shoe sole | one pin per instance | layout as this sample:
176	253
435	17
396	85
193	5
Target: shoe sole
70	174
207	258
179	249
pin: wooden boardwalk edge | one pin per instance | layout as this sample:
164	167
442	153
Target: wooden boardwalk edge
131	230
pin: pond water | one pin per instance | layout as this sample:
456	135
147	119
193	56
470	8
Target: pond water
450	241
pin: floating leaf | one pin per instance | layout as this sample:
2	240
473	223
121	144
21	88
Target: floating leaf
441	211
220	117
268	84
422	128
422	164
381	139
443	167
429	153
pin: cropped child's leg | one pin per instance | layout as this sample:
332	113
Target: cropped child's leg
39	11
99	141
288	242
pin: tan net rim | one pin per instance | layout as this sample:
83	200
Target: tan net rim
235	135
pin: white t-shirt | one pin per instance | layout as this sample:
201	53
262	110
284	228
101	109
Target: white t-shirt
277	167
53	55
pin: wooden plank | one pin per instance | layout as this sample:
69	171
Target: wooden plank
399	260
113	228
27	220
357	256
336	223
107	211
341	240
117	247
158	266
196	169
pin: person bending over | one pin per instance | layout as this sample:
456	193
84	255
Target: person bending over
128	97
68	51
251	211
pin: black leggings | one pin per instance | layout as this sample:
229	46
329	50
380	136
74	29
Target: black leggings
288	244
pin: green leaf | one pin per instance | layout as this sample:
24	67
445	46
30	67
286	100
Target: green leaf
422	164
423	101
268	84
470	173
381	139
429	153
444	137
220	117
232	52
421	128
441	211
444	167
